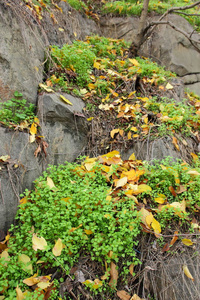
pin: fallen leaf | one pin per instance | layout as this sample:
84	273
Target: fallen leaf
174	141
187	272
46	88
172	190
123	295
19	293
193	172
88	231
65	100
4	157
26	263
50	183
57	249
113	275
121	182
169	86
174	239
136	297
113	132
187	242
132	157
38	242
156	227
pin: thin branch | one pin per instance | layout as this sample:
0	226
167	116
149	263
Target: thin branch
185	14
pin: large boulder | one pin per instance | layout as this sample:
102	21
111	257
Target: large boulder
63	126
166	46
65	131
21	53
24	41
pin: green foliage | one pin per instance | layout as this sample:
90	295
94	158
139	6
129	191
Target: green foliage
77	57
177	116
133	7
16	110
97	60
78	212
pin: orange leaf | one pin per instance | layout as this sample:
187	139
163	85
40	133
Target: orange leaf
172	191
174	141
175	237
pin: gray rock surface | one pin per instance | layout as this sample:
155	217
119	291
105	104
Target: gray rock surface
21	53
65	130
63	126
165	46
161	148
24	42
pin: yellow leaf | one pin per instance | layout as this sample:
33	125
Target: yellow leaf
121	182
88	231
138	189
6	257
50	183
26	263
134	62
187	242
121	132
174	141
193	172
43	285
31	280
132	157
187	272
131	269
160	199
4	157
143	215
38	243
111	154
57	249
96	65
156	226
90	119
134	129
65	100
136	297
129	135
83	91
149	219
113	132
194	156
91	86
169	86
60	29
46	88
20	295
33	129
32	138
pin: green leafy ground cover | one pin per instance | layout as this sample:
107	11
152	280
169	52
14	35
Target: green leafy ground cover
16	111
129	95
94	9
98	210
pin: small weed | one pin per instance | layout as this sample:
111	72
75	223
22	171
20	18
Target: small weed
16	110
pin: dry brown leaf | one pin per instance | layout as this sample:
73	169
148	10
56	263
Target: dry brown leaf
123	295
113	275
